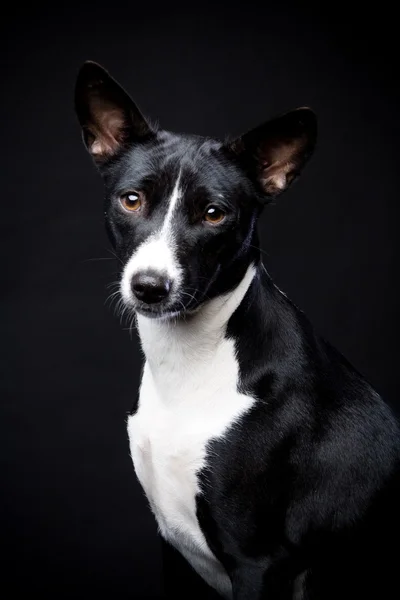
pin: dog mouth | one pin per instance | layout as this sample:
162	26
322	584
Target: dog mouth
175	309
162	313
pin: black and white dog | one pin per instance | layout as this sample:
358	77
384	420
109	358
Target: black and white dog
268	461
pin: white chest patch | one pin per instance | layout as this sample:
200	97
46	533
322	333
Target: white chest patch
188	396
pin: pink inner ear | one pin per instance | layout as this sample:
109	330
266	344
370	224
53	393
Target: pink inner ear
273	176
107	129
277	164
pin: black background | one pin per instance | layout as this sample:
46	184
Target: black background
74	522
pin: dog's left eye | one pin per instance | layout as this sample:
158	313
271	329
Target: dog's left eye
131	201
214	215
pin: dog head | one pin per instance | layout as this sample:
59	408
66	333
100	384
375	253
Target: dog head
181	210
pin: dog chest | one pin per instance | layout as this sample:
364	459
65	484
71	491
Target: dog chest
168	439
166	457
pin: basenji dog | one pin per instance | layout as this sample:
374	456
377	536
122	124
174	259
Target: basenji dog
269	462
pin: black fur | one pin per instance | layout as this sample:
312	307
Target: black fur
307	484
301	499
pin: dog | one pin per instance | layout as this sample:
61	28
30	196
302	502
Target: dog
269	462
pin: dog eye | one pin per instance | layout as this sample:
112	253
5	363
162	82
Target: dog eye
131	201
214	215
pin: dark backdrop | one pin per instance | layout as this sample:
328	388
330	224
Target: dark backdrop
74	522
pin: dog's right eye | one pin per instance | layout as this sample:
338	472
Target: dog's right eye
131	201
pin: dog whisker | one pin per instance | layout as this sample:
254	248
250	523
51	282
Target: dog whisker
97	259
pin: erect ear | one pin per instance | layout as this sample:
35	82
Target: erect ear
110	120
275	152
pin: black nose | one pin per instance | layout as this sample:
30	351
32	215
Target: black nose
150	287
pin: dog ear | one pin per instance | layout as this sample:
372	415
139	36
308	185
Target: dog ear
110	120
275	152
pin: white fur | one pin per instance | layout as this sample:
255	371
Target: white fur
156	253
188	396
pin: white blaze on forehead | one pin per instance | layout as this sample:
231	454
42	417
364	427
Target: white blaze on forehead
173	202
158	252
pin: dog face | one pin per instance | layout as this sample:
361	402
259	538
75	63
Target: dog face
181	210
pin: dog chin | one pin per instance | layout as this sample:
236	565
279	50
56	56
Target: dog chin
165	313
162	313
